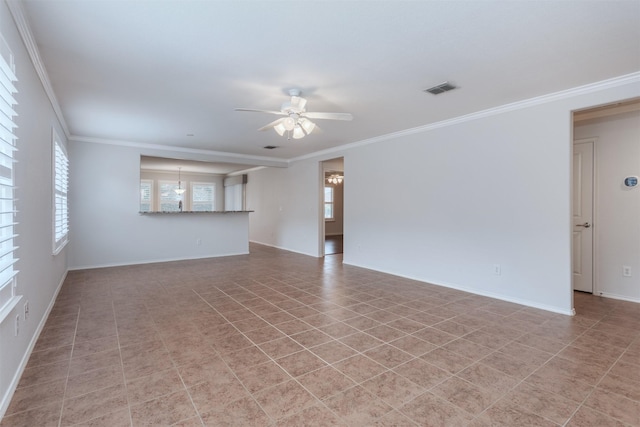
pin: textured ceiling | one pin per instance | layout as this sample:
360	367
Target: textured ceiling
156	71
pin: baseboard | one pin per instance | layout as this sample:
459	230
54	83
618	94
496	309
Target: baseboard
553	309
619	297
284	249
6	399
153	261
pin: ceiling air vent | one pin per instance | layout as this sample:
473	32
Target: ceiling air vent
270	147
441	88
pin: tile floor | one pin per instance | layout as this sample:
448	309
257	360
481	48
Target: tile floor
333	244
281	339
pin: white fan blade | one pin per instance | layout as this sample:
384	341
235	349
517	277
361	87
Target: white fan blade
317	129
280	113
298	102
328	116
272	124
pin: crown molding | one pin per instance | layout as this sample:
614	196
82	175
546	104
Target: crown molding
245	171
580	90
228	157
17	11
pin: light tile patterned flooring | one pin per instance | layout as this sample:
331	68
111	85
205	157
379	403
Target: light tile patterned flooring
281	339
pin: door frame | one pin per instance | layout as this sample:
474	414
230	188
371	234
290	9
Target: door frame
594	212
323	169
321	225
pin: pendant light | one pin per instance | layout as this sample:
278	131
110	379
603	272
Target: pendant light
179	191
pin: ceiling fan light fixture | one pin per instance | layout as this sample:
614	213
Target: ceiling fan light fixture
294	119
298	132
307	125
289	123
280	128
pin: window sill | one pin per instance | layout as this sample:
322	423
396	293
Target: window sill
9	307
59	246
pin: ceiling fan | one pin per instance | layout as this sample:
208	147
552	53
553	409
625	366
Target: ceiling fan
295	122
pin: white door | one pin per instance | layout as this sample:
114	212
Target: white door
583	217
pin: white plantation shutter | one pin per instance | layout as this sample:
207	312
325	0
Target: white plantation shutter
233	198
8	298
202	196
234	187
146	195
61	202
328	202
169	199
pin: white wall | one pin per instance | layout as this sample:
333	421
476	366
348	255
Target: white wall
41	273
287	207
464	198
108	230
617	208
461	197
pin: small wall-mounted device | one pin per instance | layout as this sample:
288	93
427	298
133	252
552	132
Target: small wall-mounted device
631	181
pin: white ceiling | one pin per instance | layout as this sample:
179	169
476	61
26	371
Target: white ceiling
156	71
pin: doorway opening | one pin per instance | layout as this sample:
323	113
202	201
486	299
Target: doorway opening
333	206
606	200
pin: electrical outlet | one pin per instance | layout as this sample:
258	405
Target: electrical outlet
26	310
626	271
17	330
497	270
198	242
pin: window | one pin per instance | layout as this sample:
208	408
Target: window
170	201
328	203
146	195
234	193
203	196
8	297
60	194
233	197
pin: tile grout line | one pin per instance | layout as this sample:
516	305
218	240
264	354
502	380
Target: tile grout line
582	404
124	378
557	354
493	351
356	383
174	366
66	382
305	348
343	294
359	384
227	365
